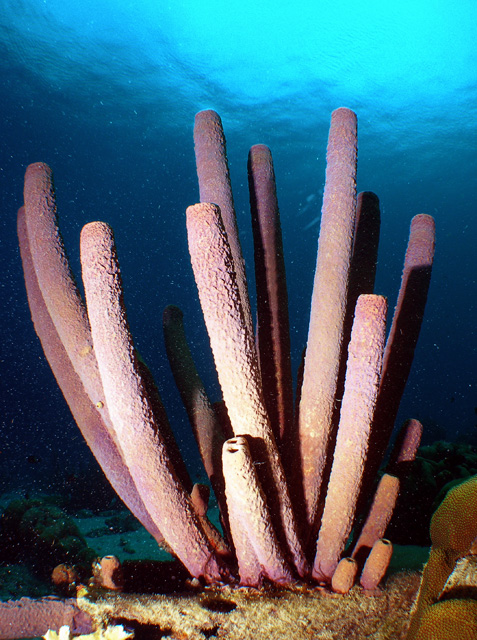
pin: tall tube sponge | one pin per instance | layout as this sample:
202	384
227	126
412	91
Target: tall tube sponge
259	553
361	388
220	226
203	418
273	333
60	321
328	312
242	351
236	361
339	242
65	334
215	186
405	328
402	339
137	431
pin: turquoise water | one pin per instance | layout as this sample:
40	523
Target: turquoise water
106	92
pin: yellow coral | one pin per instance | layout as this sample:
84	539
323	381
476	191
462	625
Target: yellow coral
449	620
453	535
454	524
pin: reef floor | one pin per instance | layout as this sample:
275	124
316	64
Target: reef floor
245	613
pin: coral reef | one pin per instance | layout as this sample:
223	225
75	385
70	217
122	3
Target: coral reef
289	483
447	596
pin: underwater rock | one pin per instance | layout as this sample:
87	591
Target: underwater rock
43	536
27	618
300	613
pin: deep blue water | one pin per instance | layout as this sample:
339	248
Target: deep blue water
106	93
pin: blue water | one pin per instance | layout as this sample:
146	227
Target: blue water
106	91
